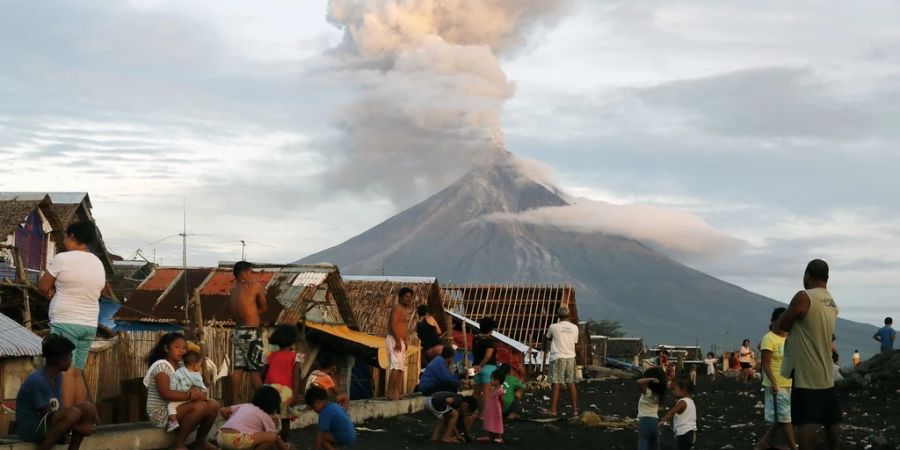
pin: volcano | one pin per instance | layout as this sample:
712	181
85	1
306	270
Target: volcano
449	235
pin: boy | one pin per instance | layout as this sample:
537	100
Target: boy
513	391
323	378
335	427
448	407
886	335
185	378
39	418
437	376
777	387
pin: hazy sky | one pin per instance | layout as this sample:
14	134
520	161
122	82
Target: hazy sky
775	123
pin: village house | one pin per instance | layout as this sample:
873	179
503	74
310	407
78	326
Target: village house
18	348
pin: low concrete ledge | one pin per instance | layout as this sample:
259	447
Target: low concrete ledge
143	436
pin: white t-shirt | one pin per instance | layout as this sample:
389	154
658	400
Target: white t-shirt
563	337
80	278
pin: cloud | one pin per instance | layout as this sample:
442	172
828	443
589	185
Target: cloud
674	232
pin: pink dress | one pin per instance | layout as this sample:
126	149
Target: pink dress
493	412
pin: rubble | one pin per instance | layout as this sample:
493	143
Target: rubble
883	368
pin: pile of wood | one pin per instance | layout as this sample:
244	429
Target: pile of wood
883	368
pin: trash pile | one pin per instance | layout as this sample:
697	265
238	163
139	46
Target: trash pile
881	369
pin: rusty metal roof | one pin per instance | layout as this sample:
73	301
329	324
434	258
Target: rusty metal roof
16	340
523	312
160	298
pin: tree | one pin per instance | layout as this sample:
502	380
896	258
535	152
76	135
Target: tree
608	328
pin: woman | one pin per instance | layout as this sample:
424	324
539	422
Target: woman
747	358
485	360
73	282
199	413
429	333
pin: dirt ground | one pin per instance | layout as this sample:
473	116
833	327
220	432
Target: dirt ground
730	416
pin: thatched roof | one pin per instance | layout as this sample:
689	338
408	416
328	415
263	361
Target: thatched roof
14	209
372	298
522	312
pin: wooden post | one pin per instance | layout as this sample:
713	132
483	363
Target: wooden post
23	279
350	363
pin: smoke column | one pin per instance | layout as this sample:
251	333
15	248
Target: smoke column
430	88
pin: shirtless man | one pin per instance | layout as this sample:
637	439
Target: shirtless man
396	342
248	302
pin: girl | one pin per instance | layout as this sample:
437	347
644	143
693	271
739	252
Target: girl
711	365
653	392
250	425
196	413
684	414
283	373
747	357
493	410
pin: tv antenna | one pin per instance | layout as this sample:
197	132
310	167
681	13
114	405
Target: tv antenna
244	244
184	235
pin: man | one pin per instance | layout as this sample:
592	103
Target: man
398	323
886	335
563	336
248	301
437	376
39	417
810	321
777	387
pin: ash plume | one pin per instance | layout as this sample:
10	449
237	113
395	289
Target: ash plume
430	88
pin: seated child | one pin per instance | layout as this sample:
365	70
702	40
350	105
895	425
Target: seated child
283	373
185	378
335	426
448	408
39	417
323	379
250	425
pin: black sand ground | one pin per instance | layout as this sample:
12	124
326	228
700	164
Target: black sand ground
730	416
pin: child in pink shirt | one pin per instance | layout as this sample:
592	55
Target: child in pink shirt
250	425
493	410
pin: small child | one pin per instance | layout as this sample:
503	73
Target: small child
653	392
448	408
188	377
836	369
250	425
283	373
693	375
711	365
684	414
493	410
335	426
323	378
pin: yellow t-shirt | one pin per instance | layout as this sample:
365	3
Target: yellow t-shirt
775	344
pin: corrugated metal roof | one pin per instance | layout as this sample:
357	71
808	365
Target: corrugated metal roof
160	279
309	279
222	281
16	340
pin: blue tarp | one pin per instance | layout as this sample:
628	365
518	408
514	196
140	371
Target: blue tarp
108	310
142	326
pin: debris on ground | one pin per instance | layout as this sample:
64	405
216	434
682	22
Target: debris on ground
594	420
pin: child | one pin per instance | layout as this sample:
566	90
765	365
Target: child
183	380
323	379
684	414
835	358
39	418
856	358
493	410
250	425
653	393
693	375
335	427
711	365
777	388
513	391
283	373
448	408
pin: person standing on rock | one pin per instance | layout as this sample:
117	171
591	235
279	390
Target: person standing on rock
886	335
398	324
563	336
809	321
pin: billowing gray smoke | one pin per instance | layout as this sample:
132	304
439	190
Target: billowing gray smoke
430	88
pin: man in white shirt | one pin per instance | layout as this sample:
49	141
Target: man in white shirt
563	336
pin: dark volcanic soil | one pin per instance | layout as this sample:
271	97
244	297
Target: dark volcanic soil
730	415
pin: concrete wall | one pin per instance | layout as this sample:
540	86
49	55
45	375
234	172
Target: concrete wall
143	436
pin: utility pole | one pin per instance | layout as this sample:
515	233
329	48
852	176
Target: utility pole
187	300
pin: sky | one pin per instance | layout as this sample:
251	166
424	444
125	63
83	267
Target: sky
771	123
